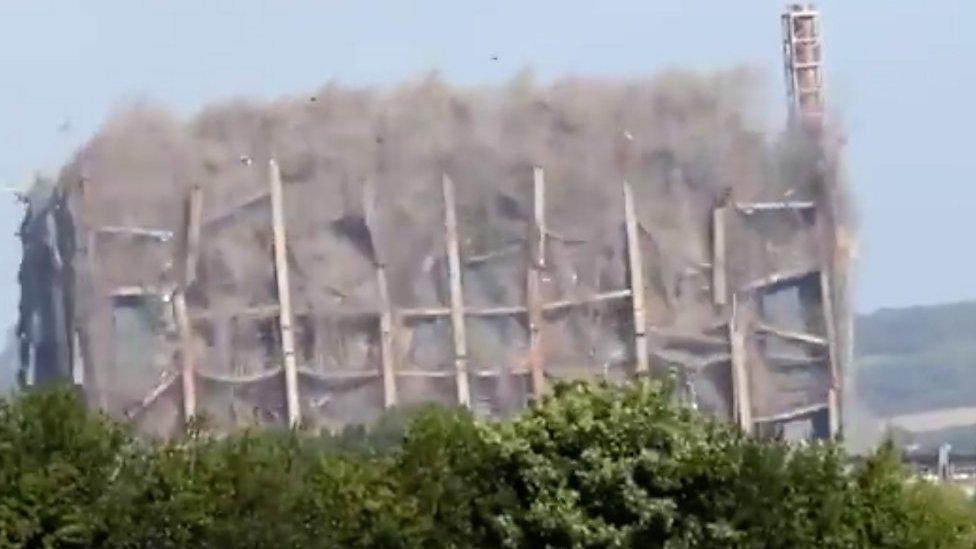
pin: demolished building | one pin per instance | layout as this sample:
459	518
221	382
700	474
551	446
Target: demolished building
320	259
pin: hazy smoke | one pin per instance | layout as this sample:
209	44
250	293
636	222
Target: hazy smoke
685	141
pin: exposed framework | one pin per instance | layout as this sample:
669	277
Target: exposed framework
749	332
742	300
754	339
388	318
804	69
803	57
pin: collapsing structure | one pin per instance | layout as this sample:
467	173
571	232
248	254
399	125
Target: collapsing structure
320	259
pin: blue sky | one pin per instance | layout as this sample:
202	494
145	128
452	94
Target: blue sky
901	73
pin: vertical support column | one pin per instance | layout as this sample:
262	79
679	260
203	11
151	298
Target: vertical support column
826	232
104	329
719	280
537	246
636	266
99	322
188	370
30	375
194	224
62	338
285	319
189	248
77	361
386	309
457	296
833	392
741	397
386	340
803	60
223	337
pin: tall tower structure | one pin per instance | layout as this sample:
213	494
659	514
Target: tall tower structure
803	59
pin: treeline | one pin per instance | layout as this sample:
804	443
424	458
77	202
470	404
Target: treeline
916	359
590	466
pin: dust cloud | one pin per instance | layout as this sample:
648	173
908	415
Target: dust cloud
686	141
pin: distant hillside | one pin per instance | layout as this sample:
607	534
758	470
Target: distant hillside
917	358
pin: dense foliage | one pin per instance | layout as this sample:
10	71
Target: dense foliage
590	466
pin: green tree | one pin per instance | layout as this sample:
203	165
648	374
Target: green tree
588	466
56	461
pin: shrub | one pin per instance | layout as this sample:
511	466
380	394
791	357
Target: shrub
56	461
589	466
